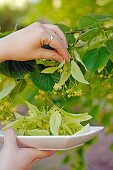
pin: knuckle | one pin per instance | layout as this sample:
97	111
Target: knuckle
35	24
43	31
39	27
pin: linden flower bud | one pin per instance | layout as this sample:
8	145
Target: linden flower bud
101	76
36	97
60	70
7	104
13	109
1	108
57	86
67	91
65	86
68	95
55	92
41	92
78	93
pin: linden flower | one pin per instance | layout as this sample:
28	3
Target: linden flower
41	92
78	93
1	108
57	86
7	104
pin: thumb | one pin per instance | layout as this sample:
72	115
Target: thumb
10	140
49	55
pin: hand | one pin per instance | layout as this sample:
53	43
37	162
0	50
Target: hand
26	44
13	157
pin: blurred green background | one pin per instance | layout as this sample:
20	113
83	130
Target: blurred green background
97	154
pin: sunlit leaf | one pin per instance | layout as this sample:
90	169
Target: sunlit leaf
64	76
50	70
36	132
77	56
8	85
77	73
55	122
33	109
83	130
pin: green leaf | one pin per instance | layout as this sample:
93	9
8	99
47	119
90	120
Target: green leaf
96	58
17	69
49	70
67	129
83	130
8	85
77	56
64	28
36	132
103	17
76	73
43	81
76	117
46	63
90	21
53	69
90	34
61	64
33	109
18	115
55	122
64	76
109	46
66	159
20	86
87	22
70	39
73	124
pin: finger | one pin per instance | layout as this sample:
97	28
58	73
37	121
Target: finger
48	54
36	161
58	31
10	139
37	154
58	38
56	44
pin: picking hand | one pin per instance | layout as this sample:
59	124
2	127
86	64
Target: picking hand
27	44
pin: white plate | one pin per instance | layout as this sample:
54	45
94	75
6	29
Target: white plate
57	142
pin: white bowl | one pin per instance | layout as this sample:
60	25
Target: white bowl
57	142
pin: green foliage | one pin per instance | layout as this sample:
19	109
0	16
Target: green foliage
109	46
